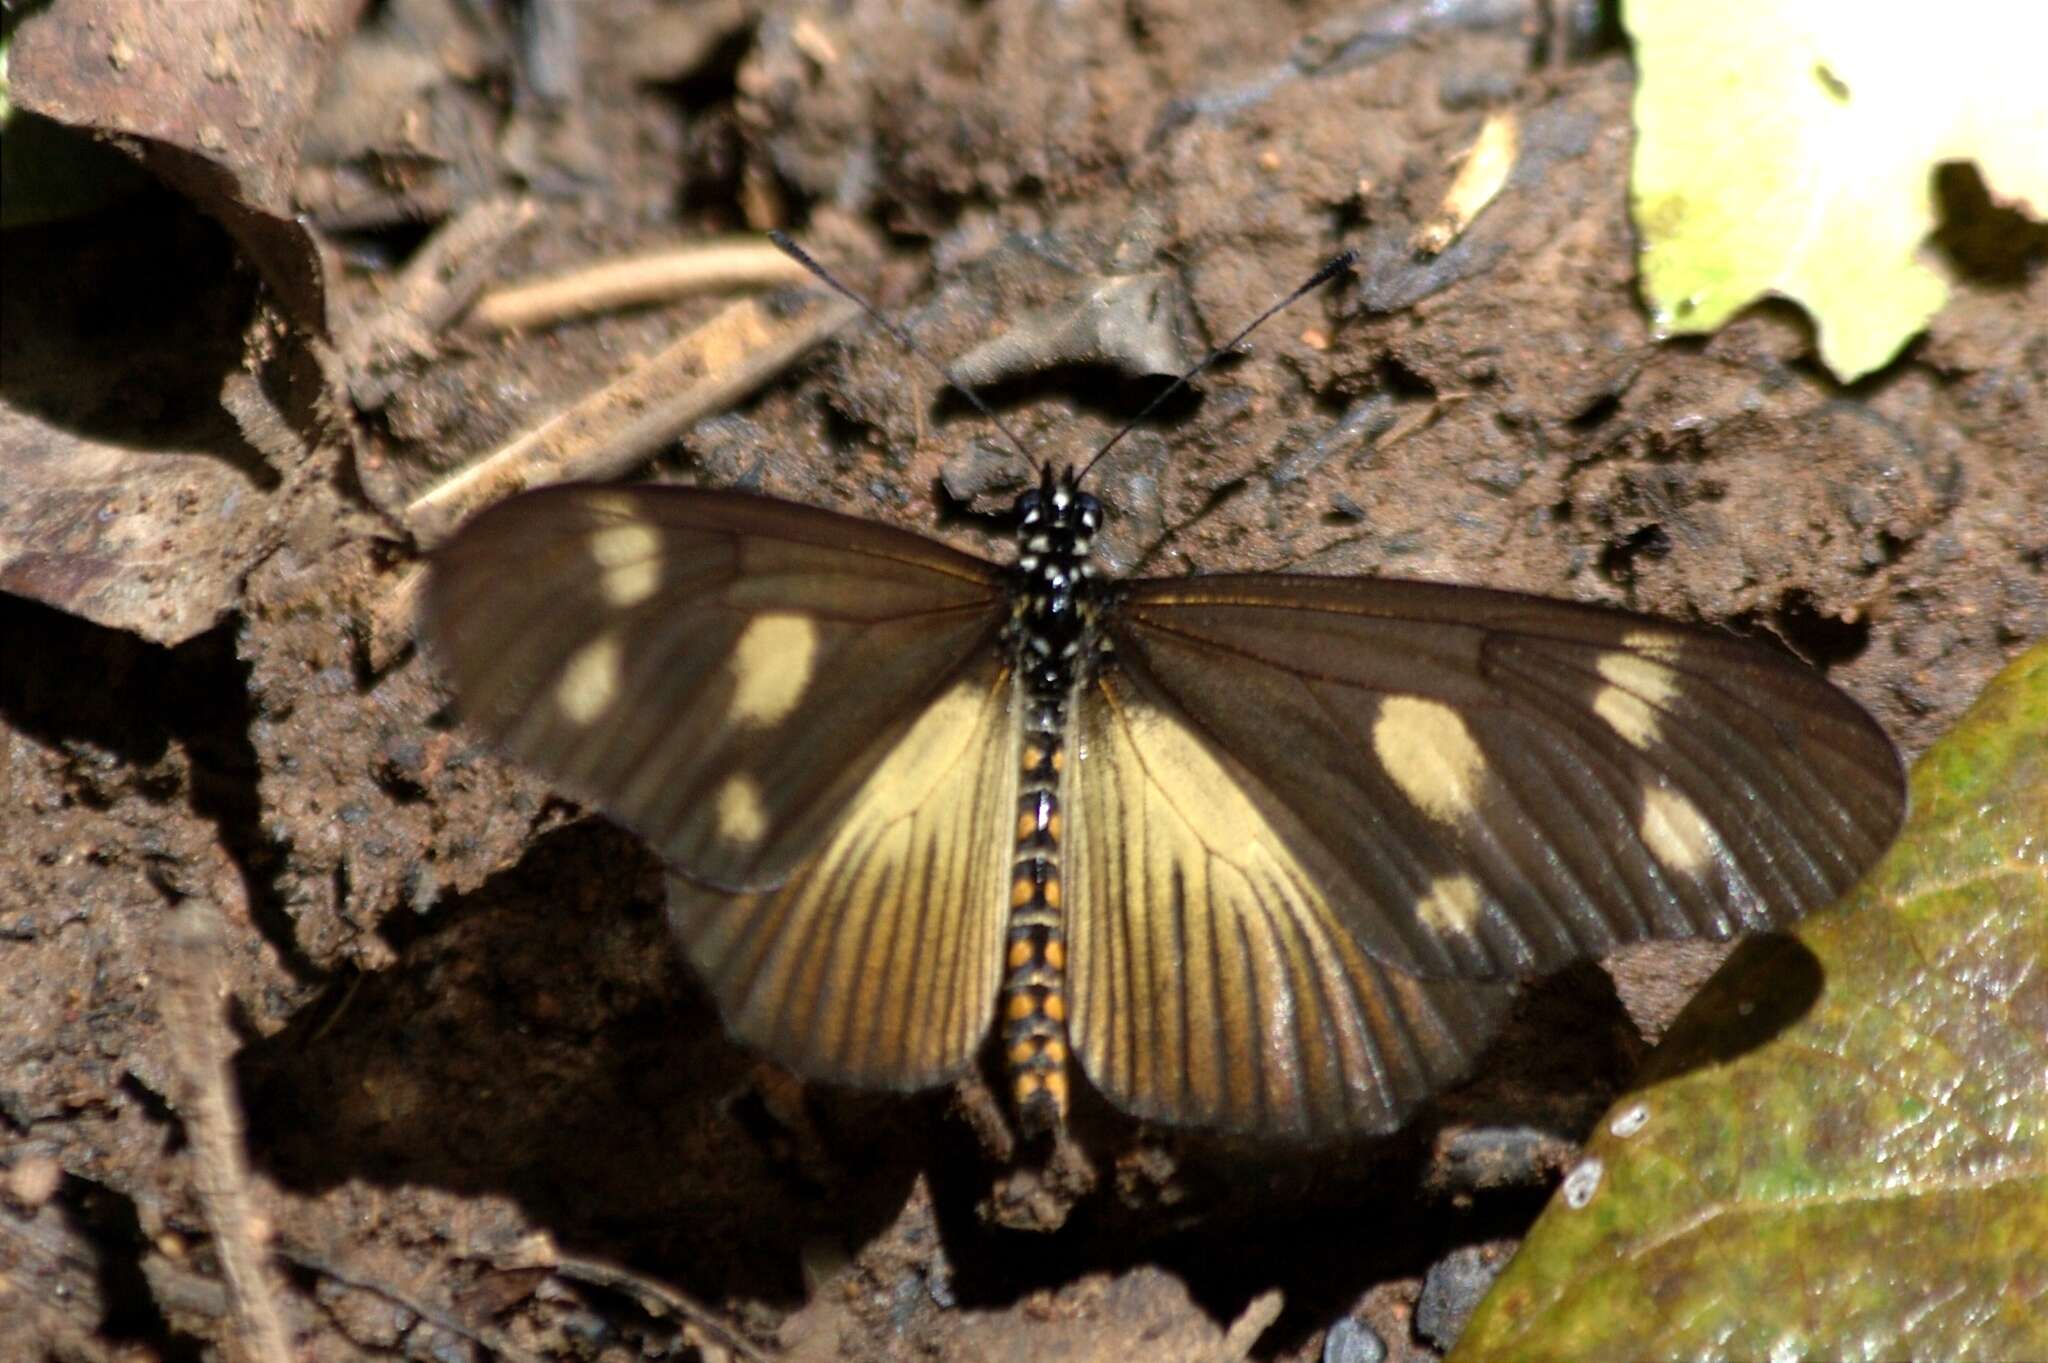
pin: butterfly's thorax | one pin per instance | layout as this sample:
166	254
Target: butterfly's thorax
1051	638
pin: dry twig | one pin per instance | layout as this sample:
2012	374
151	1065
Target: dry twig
430	292
609	431
737	263
655	1298
1487	163
494	1340
206	1102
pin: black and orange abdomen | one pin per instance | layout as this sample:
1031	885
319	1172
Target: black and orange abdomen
1035	949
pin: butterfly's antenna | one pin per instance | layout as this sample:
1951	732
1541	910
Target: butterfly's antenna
825	276
1329	271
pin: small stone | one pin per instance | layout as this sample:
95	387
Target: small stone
1125	321
428	1343
34	1180
1450	1290
1353	1341
1498	475
938	1286
1503	1156
980	469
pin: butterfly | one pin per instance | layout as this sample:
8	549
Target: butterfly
1264	853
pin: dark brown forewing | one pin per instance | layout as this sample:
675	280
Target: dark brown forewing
1489	785
877	961
1216	980
720	672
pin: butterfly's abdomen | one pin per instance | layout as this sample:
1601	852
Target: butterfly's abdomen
1034	981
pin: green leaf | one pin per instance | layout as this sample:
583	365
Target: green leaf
1789	147
1871	1182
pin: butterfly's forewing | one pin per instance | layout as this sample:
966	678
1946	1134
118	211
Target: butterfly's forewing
1214	980
720	672
1492	785
797	705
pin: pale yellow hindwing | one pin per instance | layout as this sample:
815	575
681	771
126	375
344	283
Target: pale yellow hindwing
877	962
1212	982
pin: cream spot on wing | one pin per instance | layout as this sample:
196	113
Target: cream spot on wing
1429	753
1635	688
612	503
741	817
1675	831
1628	715
590	683
771	666
1651	644
1653	681
1451	907
629	557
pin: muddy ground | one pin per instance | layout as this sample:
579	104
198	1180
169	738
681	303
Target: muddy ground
488	1113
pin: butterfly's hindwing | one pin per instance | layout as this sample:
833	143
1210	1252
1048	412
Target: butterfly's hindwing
1214	981
719	672
1489	785
878	960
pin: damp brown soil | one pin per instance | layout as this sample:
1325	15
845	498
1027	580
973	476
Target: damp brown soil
488	1112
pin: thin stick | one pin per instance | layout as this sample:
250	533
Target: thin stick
491	1338
652	1293
609	431
391	619
738	263
191	969
378	345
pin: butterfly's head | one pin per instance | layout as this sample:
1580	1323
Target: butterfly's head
1058	512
